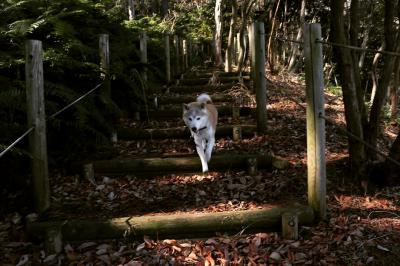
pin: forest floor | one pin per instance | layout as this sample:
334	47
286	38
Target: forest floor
362	227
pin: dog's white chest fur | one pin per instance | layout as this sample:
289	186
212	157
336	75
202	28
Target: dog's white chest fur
201	118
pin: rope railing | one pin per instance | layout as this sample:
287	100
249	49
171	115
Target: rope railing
357	48
352	47
49	117
16	141
349	133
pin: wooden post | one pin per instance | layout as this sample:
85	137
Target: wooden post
235	48
258	70
143	53
251	48
290	226
37	118
176	56
104	51
53	240
315	123
185	49
167	59
237	133
190	52
252	166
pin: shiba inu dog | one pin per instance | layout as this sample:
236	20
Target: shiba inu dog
201	118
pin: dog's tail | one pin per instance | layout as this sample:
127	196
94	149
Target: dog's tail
204	98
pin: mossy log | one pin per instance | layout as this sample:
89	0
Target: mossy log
181	225
176	111
179	132
220	162
206	80
200	88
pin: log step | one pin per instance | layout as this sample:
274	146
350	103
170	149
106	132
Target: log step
148	166
206	80
180	132
181	225
185	98
208	73
176	111
200	88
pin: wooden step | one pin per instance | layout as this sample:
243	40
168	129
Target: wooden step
201	88
180	132
150	166
205	81
176	111
187	98
180	225
209	73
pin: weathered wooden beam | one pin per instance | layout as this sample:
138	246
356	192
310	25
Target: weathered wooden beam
176	111
179	132
185	98
181	225
143	53
167	58
258	69
184	164
207	73
200	88
104	52
316	165
206	80
36	117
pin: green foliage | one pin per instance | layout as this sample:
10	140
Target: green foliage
69	31
335	90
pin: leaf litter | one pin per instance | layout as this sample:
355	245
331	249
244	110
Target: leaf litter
360	229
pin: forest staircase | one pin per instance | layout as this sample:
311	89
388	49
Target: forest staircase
161	122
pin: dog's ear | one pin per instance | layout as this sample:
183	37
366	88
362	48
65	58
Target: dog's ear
185	107
203	105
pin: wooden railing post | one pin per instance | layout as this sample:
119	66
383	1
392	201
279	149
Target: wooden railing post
143	53
185	49
167	58
176	56
315	122
258	70
37	118
104	51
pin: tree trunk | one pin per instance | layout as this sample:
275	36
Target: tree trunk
394	100
218	33
270	54
374	76
295	51
346	72
131	9
389	61
179	225
229	49
165	8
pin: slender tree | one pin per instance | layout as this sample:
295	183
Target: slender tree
229	49
218	16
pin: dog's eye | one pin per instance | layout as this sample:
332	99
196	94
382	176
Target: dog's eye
190	119
198	118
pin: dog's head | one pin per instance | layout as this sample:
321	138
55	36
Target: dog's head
195	116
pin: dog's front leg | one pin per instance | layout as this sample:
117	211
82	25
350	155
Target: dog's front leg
200	152
209	148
